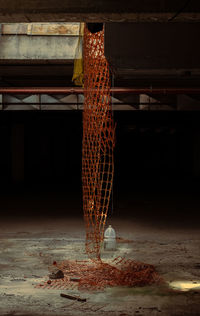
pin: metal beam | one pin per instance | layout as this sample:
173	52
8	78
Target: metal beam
98	10
116	90
41	29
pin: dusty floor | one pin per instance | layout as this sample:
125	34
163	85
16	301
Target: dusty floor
28	246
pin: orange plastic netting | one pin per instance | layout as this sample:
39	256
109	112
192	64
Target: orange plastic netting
97	178
90	276
98	141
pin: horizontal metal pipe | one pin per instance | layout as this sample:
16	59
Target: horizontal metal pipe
116	90
41	90
79	104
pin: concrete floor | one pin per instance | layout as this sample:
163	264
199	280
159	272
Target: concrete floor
29	245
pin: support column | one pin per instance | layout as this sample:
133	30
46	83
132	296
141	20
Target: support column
17	154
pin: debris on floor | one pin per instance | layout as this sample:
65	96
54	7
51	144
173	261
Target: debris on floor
57	274
64	238
74	279
99	275
123	240
75	298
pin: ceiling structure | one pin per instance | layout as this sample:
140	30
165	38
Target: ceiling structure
98	11
159	49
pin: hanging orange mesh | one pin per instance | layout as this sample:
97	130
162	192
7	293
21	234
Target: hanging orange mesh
98	141
97	176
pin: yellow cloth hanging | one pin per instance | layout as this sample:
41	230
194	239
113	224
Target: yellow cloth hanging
78	61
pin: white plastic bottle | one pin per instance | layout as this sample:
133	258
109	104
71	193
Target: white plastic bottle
109	239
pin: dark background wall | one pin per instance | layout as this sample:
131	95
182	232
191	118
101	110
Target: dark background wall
156	157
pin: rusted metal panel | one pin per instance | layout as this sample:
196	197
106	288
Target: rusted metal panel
69	29
14	28
51	29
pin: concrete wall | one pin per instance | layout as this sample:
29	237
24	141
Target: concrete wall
37	47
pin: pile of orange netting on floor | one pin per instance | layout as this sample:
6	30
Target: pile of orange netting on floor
92	276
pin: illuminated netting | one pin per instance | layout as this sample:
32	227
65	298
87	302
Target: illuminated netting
98	141
94	276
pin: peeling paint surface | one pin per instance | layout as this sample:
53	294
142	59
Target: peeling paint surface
37	47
